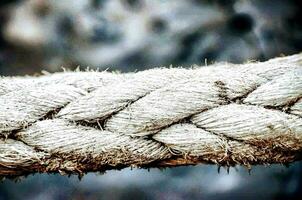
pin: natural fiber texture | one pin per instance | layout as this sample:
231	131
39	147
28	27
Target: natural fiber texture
76	122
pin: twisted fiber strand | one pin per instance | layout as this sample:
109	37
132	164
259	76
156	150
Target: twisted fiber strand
76	122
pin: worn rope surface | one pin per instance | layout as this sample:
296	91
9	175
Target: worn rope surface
75	122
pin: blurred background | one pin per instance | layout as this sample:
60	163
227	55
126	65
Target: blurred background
129	35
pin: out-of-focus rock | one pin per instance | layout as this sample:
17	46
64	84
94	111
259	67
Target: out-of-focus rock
134	34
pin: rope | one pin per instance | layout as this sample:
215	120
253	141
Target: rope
77	122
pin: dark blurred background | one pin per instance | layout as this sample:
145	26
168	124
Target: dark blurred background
130	35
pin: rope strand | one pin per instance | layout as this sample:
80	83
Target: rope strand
77	122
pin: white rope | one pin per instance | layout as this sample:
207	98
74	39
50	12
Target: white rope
226	114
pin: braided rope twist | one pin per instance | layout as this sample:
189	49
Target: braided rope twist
75	122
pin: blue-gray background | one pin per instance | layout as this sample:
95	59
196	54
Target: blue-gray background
130	35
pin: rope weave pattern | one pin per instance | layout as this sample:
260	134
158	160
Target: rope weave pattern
75	122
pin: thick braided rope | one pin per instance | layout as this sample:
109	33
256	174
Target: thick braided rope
75	122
